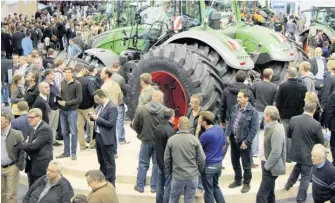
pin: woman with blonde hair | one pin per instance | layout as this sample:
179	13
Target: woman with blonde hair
313	97
17	92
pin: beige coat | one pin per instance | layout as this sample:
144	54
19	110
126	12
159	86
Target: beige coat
104	194
114	91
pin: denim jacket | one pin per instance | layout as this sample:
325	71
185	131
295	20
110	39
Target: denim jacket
249	126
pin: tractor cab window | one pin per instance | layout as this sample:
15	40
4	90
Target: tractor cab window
327	16
190	12
225	9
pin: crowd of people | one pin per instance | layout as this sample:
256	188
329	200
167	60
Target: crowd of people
86	105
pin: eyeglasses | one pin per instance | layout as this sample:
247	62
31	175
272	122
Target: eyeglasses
32	117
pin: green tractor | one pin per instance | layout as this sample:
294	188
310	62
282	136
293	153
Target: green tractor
194	54
324	19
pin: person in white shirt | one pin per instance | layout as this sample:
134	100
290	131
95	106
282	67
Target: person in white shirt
22	66
319	66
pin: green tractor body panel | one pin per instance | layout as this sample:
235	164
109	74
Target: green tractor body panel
271	43
113	40
228	48
325	28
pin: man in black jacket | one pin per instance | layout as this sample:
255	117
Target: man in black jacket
290	102
41	101
6	64
328	121
71	97
31	91
61	33
147	118
38	147
305	132
16	41
52	187
49	60
105	134
6	43
162	133
85	107
329	85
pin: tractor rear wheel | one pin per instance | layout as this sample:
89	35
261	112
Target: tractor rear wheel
179	73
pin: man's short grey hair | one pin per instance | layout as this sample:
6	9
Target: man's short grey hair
198	97
272	112
310	107
36	112
57	164
96	175
292	72
321	149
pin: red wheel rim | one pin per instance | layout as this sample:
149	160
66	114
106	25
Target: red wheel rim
175	96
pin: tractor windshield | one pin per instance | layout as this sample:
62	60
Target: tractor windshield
190	12
327	16
224	7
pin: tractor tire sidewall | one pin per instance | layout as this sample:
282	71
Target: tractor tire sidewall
181	64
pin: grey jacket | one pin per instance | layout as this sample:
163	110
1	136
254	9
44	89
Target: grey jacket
13	141
309	81
184	157
275	149
18	95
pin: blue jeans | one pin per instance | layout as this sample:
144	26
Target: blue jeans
120	122
163	187
147	151
210	180
188	186
68	120
5	93
255	142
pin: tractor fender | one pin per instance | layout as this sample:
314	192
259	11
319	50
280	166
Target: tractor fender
107	57
298	47
233	58
304	31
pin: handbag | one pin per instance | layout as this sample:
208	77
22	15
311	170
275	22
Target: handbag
53	37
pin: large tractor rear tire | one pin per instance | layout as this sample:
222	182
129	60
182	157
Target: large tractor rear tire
179	73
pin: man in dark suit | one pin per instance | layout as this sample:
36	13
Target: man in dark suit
305	132
328	121
6	45
42	102
12	159
16	41
105	133
38	147
6	64
21	123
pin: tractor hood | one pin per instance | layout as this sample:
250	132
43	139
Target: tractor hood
229	49
273	46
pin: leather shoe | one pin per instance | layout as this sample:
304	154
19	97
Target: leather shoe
245	188
234	184
138	190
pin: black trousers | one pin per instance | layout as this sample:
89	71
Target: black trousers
236	154
266	191
32	179
332	145
106	158
305	172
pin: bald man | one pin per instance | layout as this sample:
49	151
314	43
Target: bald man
41	101
323	176
146	119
